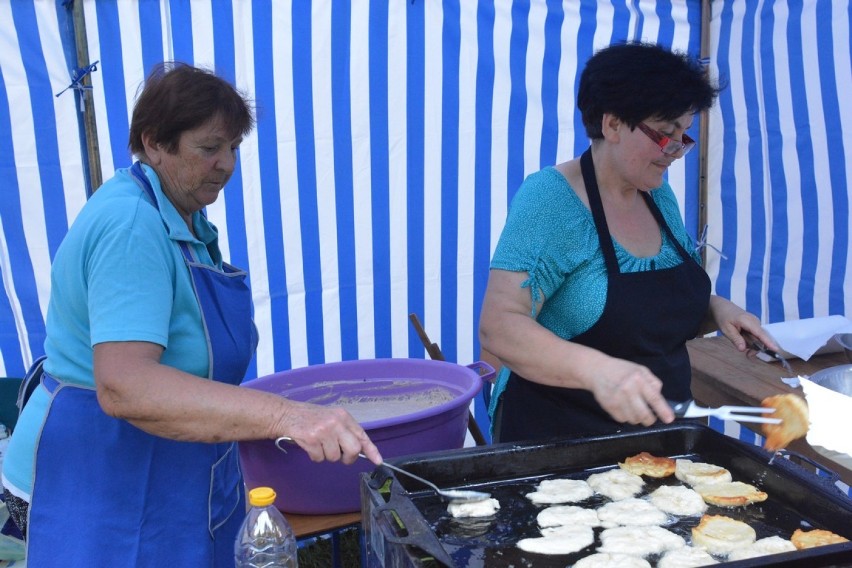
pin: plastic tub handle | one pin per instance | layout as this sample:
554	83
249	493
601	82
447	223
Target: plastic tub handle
485	371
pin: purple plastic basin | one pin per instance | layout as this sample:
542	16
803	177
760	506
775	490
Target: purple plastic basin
428	404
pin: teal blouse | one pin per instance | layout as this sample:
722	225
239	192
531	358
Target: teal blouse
550	235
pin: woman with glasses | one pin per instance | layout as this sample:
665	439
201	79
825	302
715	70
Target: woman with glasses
595	285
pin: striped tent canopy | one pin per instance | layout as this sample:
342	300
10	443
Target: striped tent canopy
392	135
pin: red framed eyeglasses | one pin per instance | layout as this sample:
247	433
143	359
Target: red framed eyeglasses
668	146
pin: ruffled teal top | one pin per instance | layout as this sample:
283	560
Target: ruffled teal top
550	234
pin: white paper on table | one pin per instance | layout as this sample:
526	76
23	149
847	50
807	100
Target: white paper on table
829	412
805	338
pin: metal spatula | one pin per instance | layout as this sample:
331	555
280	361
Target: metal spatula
459	495
688	409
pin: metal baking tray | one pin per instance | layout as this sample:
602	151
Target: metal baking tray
407	525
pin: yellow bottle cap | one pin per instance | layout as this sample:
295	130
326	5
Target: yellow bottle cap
261	496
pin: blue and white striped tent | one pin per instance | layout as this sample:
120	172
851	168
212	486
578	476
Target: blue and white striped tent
392	134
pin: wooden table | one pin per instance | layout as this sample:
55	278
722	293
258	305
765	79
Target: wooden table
306	526
722	375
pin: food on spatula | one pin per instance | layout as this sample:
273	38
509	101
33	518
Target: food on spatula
816	537
616	484
552	491
648	464
686	557
793	412
678	500
612	560
479	508
639	541
631	511
564	541
731	494
698	473
763	547
561	515
721	535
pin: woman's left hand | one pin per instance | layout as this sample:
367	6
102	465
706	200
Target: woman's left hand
733	322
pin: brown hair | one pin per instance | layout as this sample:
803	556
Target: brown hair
177	97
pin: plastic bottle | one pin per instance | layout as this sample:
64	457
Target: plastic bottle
265	538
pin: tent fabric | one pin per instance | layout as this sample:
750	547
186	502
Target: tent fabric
391	137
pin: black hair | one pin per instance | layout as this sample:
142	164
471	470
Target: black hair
636	81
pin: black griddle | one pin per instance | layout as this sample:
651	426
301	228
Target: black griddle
407	525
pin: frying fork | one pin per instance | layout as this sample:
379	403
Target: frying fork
688	409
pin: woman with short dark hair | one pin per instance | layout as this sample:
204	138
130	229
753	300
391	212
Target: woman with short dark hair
126	454
595	285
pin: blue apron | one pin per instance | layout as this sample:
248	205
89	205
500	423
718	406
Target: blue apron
109	494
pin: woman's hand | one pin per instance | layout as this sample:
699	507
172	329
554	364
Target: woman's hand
327	433
629	393
733	322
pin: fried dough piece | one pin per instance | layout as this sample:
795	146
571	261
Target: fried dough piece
612	560
698	473
648	464
793	412
762	547
731	494
678	500
616	484
816	537
721	535
685	558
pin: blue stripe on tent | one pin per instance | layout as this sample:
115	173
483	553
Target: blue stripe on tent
518	98
777	179
485	71
727	185
180	13
270	188
451	43
836	159
344	192
692	201
757	237
550	82
22	270
112	69
223	31
584	50
306	172
621	23
665	35
380	176
44	125
810	204
151	30
415	158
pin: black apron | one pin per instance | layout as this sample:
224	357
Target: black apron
647	319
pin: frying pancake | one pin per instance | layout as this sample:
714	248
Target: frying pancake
560	515
639	541
763	547
731	494
564	541
552	491
793	412
630	511
650	465
686	557
817	537
721	535
678	500
480	508
696	473
612	560
616	484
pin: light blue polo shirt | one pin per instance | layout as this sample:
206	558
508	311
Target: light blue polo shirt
118	276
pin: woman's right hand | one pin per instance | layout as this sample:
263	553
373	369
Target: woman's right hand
629	393
327	433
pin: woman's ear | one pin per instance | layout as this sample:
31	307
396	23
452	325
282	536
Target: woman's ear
611	127
153	150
